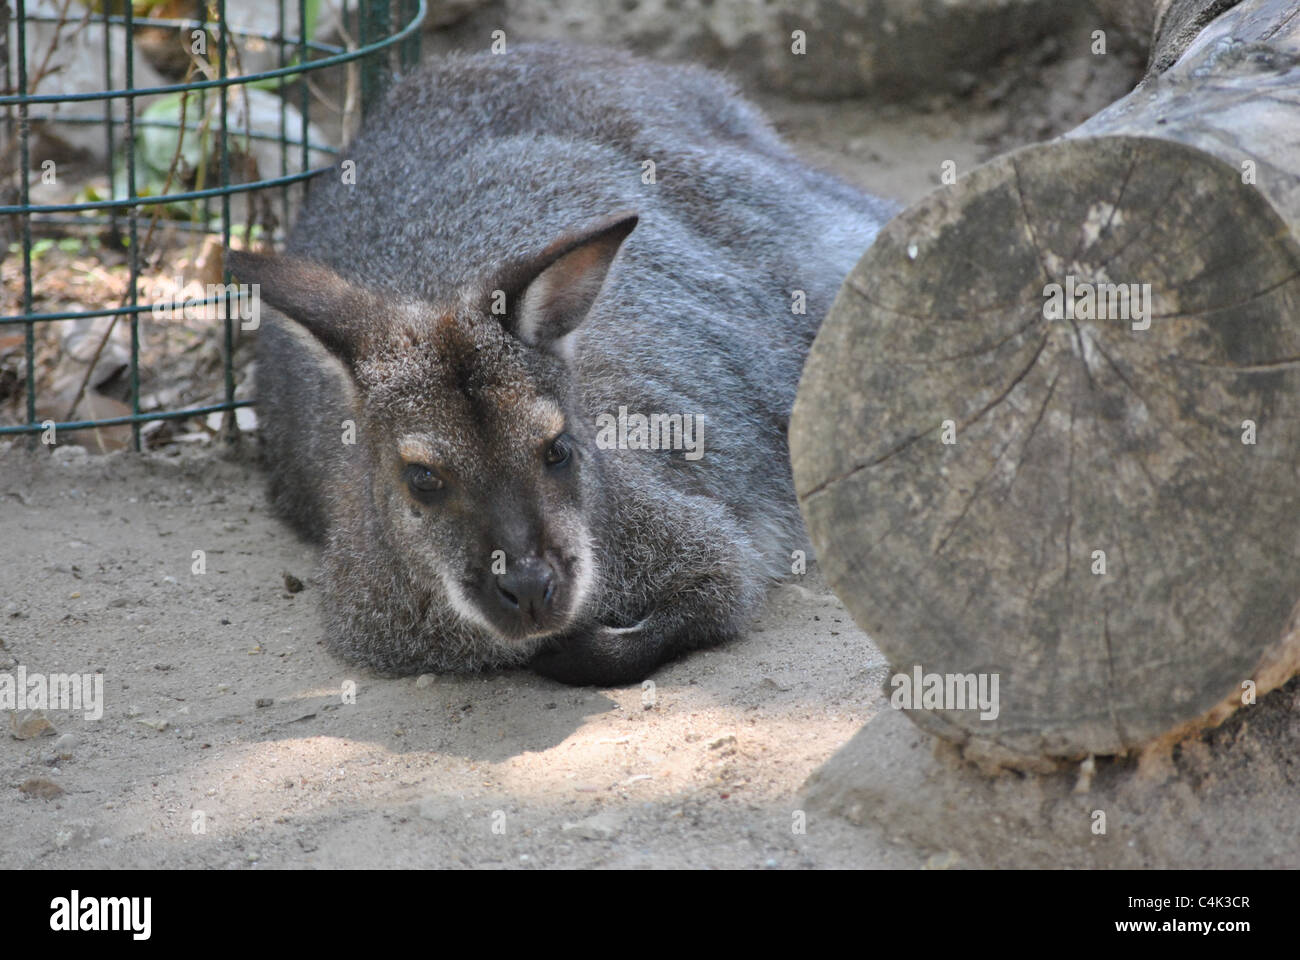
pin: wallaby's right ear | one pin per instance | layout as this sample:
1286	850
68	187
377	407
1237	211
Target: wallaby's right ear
553	291
317	298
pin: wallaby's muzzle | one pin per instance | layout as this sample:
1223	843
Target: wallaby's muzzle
527	590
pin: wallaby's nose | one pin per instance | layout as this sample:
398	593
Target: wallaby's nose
527	586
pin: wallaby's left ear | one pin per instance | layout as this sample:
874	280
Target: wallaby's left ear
549	295
344	318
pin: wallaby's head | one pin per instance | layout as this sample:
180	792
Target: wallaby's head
479	467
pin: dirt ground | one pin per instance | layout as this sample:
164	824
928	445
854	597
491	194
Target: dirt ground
220	702
496	770
223	709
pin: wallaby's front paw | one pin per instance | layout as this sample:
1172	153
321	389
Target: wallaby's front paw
602	657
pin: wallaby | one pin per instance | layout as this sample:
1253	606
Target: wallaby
544	328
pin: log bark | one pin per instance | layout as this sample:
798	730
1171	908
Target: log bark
1164	29
1113	529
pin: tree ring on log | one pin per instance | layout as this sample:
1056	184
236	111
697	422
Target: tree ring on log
1113	528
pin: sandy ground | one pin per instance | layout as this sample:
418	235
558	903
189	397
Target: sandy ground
222	708
220	703
496	770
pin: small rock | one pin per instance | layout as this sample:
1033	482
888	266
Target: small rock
722	741
68	452
264	702
425	680
601	826
40	787
153	724
292	583
65	745
27	724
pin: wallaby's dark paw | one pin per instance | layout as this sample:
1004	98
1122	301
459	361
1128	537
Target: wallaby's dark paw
603	657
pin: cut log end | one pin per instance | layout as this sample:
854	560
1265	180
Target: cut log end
1050	432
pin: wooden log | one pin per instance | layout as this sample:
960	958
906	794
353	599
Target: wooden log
1163	28
1097	506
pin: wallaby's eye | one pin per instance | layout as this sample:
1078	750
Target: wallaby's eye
423	481
560	451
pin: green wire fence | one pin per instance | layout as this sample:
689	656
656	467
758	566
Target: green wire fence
385	41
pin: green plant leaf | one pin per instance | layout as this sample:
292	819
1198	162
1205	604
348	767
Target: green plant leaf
155	146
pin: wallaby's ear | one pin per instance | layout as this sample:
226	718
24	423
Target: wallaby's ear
317	298
549	295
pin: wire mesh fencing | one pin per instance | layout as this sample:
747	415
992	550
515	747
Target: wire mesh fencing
141	139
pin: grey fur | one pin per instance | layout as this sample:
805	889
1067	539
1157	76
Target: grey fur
477	163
